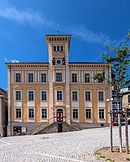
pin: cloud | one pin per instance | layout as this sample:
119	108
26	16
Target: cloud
23	16
34	18
11	60
88	35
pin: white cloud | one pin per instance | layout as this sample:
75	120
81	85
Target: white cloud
35	18
23	16
11	60
89	36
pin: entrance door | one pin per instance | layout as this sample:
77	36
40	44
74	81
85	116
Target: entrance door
59	115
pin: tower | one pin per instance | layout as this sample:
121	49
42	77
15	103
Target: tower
59	77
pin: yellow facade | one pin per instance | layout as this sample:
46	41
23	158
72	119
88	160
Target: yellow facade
58	84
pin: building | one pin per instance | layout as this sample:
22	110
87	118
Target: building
3	112
126	97
115	107
41	94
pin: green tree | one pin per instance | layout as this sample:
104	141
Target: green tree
119	56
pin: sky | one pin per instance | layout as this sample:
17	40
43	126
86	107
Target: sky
24	24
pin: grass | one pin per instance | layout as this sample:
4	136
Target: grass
109	159
102	157
97	153
128	159
118	148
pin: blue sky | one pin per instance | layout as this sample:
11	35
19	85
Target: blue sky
24	24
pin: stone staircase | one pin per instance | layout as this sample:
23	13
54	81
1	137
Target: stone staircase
38	128
53	128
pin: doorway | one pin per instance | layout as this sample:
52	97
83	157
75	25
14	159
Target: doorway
60	127
59	115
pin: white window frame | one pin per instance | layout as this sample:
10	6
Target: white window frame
18	119
46	95
42	72
44	119
56	95
33	119
102	120
90	96
74	72
55	77
15	96
103	95
89	78
28	96
77	95
18	72
89	120
31	72
76	120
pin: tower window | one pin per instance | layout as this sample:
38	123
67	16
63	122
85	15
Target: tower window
58	77
62	48
54	48
58	48
59	95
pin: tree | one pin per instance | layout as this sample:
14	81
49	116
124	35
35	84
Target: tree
119	56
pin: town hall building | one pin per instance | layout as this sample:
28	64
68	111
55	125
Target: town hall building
57	95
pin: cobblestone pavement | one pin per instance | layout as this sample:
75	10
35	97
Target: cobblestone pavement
58	147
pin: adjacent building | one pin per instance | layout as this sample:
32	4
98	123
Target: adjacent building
3	112
40	94
125	97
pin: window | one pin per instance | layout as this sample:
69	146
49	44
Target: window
100	80
58	77
18	77
100	96
43	77
101	113
75	114
54	48
44	113
62	48
30	95
58	48
129	98
74	96
18	114
43	96
74	77
87	78
31	113
59	95
18	95
88	113
87	96
30	77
